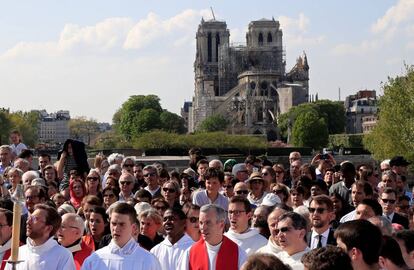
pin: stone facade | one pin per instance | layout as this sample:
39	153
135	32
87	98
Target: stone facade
246	83
363	104
54	127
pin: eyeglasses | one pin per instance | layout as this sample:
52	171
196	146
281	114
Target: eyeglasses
236	212
193	219
149	174
92	179
282	230
125	183
170	190
109	195
240	192
318	210
128	165
388	201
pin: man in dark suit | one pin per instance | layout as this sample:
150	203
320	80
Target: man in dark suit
321	214
388	199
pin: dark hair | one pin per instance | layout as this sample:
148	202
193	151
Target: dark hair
101	211
160	200
214	173
407	236
327	258
52	217
365	186
374	204
298	221
124	208
298	189
250	159
310	168
40	191
45	155
323	199
363	235
263	261
391	250
143	193
187	207
26	153
9	216
6	203
242	200
91	199
202	161
389	190
178	212
139	164
403	198
163	173
113	189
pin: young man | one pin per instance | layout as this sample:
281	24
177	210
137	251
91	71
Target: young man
151	177
360	190
348	178
41	250
321	214
239	214
123	252
405	239
214	179
388	200
362	241
292	239
317	259
213	251
177	241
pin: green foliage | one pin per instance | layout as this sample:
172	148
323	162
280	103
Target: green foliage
111	140
171	122
214	123
83	129
345	140
310	130
141	114
333	112
394	132
25	122
164	140
5	127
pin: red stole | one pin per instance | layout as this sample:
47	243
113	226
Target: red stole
5	257
227	257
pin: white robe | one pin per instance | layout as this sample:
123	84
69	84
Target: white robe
50	256
4	248
212	257
168	254
249	241
130	256
270	248
294	260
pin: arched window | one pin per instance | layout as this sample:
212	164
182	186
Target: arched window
260	39
209	48
269	38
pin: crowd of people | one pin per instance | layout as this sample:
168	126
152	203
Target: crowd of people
119	213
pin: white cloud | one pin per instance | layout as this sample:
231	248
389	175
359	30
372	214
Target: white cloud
362	48
403	11
153	27
294	25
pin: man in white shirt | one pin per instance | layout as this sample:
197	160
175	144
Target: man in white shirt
214	179
321	214
292	239
177	241
213	251
249	239
123	252
41	250
272	246
151	178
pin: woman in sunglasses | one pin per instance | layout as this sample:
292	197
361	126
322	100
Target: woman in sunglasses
171	193
93	183
192	227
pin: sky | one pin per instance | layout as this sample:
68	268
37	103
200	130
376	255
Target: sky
89	57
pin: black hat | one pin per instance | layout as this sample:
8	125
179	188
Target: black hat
399	161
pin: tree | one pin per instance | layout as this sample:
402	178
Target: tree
27	123
333	112
214	123
171	122
5	126
394	132
83	129
310	130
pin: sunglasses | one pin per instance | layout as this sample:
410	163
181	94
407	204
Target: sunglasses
282	230
125	183
318	210
388	201
193	219
240	192
161	207
170	190
93	179
149	174
256	182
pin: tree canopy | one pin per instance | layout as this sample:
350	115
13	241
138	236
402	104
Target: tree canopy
310	130
214	123
25	122
394	132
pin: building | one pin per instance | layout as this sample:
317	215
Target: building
54	127
368	123
246	83
363	106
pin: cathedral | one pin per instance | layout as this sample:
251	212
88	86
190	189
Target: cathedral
248	83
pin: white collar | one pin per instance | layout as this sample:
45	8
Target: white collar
390	216
127	249
75	248
6	246
184	239
325	234
43	248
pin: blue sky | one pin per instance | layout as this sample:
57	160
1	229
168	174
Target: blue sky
90	56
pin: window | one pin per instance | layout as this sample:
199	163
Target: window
269	38
260	39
